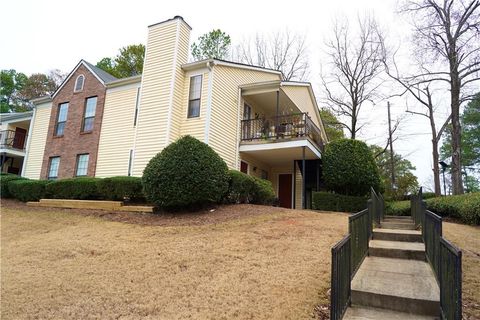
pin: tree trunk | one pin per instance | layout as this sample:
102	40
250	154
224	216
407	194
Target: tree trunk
436	169
456	136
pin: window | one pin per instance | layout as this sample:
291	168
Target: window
53	168
89	116
136	108
82	165
194	96
79	83
61	119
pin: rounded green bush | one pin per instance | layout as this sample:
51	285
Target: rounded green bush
262	192
187	174
27	190
240	187
5	179
349	168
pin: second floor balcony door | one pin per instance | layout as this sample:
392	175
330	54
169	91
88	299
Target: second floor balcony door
19	138
247	115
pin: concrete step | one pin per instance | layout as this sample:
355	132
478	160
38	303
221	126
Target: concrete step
397	249
399	217
398	220
355	312
397	235
397	225
396	284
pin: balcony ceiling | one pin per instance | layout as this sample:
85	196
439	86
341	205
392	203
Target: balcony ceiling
267	101
281	153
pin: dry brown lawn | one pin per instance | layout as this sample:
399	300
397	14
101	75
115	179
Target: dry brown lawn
468	239
265	263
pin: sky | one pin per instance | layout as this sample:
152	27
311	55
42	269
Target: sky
38	36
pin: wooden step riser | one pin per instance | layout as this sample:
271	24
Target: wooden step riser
397	253
397	237
402	226
417	306
73	206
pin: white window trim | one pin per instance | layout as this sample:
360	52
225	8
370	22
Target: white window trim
201	100
83	83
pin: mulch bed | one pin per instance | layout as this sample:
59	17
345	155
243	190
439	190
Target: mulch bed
212	215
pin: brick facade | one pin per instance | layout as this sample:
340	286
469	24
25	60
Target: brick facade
74	141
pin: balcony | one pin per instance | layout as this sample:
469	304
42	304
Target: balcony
296	126
13	140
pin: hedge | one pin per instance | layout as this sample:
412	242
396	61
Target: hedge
27	190
5	178
187	174
398	208
120	188
336	202
465	208
84	188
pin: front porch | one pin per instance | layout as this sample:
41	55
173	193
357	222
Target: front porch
293	168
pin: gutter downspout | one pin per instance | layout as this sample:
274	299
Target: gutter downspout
210	65
29	141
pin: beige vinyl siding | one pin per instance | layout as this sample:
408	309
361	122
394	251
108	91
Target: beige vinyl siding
159	75
117	133
37	141
225	123
195	126
298	187
181	82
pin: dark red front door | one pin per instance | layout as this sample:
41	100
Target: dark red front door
285	190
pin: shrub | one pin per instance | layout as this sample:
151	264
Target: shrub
398	208
349	168
84	188
336	202
5	179
120	188
262	192
240	187
186	174
27	190
464	207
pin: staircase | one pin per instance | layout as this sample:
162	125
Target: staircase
395	281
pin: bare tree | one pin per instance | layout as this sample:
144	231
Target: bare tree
356	63
420	89
447	34
282	50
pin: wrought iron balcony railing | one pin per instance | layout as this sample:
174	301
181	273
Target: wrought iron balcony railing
298	125
11	139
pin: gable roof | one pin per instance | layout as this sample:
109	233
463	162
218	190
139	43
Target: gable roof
102	76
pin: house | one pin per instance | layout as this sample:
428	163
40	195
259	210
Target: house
96	125
13	136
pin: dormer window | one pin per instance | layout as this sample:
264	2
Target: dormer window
79	83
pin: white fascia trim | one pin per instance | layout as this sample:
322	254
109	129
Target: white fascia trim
209	105
238	129
234	65
29	141
172	84
13	152
124	82
280	145
17	120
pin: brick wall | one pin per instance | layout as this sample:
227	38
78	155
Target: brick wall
73	141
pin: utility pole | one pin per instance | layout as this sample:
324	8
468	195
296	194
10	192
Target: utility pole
392	165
